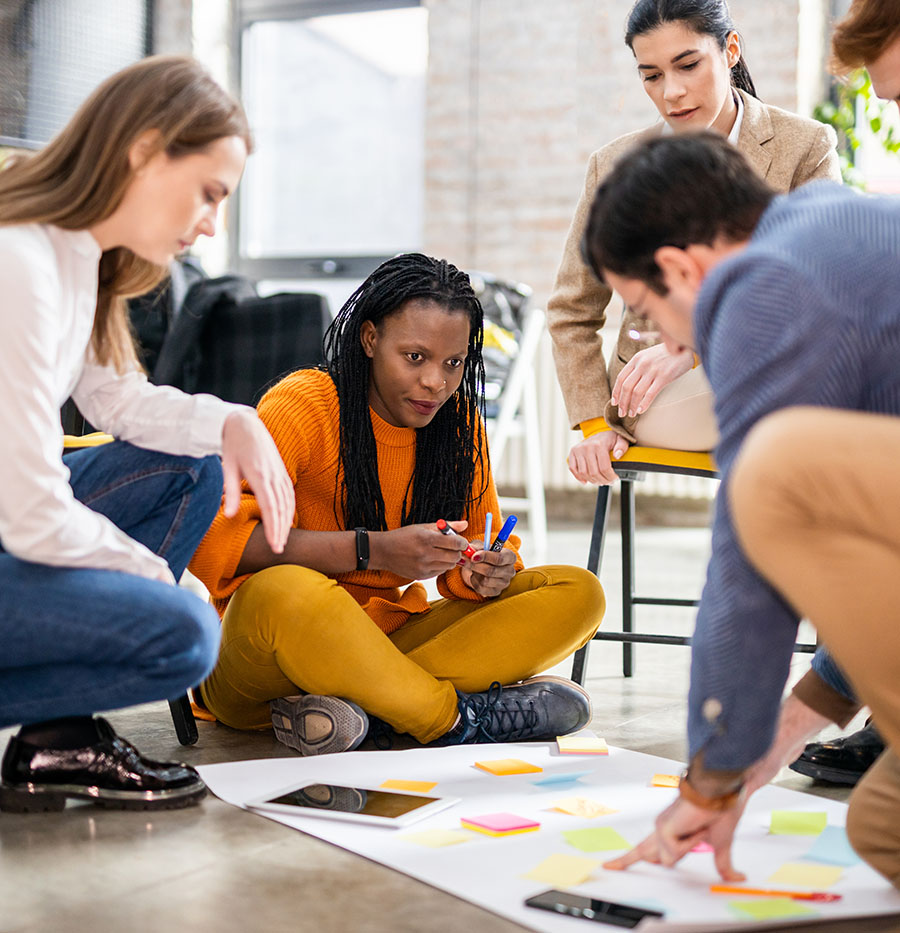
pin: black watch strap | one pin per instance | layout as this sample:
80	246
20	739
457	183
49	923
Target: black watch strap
362	549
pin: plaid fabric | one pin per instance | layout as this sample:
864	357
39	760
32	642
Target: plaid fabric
247	346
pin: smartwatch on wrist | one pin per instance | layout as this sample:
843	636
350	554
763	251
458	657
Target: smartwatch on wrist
362	548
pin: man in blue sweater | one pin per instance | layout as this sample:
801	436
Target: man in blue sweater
789	300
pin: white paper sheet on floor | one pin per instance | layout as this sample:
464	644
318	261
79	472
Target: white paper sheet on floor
488	871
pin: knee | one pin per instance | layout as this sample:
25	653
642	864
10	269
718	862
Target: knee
197	632
579	601
763	477
287	596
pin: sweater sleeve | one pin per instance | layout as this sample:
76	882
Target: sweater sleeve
287	417
450	584
784	342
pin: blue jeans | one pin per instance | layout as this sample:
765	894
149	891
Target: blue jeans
73	641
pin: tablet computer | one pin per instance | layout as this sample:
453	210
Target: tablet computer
353	804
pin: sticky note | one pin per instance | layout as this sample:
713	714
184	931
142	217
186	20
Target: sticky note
807	875
599	839
665	780
437	838
581	745
770	908
503	766
581	806
500	824
797	823
703	847
569	778
833	848
420	787
563	871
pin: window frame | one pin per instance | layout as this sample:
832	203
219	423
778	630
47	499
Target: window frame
324	266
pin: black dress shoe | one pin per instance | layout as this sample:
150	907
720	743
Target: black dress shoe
110	773
843	761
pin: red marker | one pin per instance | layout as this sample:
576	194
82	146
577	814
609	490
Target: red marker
445	529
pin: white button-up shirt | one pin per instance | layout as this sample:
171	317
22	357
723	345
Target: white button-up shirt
48	296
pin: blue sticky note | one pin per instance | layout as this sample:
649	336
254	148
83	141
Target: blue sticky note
568	778
833	848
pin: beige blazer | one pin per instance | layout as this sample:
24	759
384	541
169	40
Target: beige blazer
786	150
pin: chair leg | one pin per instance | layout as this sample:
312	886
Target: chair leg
627	513
183	717
595	554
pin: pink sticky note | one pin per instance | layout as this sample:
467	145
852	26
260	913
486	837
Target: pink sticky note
496	824
703	847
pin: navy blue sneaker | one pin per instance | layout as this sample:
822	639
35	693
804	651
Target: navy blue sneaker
540	708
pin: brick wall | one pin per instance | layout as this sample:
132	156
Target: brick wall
520	92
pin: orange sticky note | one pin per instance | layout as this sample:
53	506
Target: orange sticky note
581	806
665	780
503	766
417	787
581	745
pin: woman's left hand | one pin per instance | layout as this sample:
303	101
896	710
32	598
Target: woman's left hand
489	572
248	452
645	375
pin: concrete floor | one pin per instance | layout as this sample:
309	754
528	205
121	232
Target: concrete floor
217	868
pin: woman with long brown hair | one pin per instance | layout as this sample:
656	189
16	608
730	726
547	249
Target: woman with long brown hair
92	543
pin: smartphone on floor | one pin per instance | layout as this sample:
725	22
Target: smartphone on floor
590	908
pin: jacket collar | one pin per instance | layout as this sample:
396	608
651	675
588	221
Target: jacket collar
756	131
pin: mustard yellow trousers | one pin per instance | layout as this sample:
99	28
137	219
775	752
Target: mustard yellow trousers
290	628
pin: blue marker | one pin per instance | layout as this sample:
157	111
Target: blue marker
504	533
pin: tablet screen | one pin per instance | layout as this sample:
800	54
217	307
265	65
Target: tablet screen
382	803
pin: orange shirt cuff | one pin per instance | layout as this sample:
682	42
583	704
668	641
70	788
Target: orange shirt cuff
593	426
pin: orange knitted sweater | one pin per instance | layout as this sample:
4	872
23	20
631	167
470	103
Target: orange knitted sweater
301	413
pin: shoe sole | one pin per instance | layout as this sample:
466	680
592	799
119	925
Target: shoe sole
349	723
830	775
35	798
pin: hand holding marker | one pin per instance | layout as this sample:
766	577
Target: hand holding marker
499	541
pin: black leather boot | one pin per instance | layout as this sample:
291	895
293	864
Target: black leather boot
842	761
109	772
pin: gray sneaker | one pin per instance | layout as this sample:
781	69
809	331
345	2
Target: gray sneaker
539	708
318	725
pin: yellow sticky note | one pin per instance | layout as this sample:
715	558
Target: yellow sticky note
563	871
502	766
770	908
419	787
665	780
581	806
807	875
797	823
437	838
581	745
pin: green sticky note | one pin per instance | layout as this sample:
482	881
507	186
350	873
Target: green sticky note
797	823
596	839
770	908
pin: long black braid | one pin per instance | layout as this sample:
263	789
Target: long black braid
450	456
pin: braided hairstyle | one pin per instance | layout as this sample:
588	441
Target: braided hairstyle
450	451
706	17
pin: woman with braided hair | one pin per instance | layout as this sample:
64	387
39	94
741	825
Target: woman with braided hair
380	445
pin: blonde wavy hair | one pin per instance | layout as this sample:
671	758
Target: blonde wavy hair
80	177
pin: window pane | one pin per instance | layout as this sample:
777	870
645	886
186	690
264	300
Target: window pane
337	105
53	53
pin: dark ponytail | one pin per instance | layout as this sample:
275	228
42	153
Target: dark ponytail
707	17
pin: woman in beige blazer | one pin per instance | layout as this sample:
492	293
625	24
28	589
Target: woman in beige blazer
690	62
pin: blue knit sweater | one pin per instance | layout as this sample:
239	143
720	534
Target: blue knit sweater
807	314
